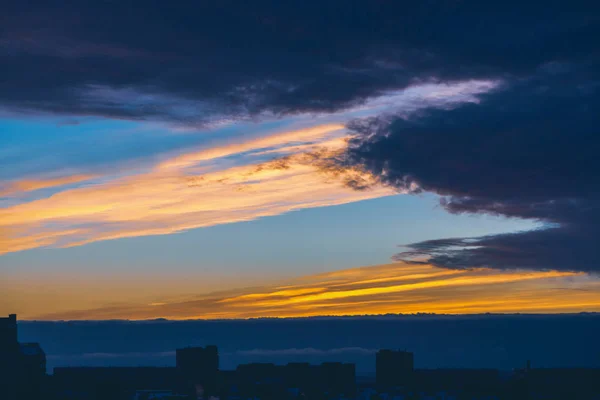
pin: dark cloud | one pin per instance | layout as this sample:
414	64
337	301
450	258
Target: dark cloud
196	61
528	150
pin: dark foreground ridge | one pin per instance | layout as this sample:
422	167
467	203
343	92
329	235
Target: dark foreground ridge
197	376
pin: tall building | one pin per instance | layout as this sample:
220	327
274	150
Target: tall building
9	357
394	368
199	367
32	373
22	366
8	333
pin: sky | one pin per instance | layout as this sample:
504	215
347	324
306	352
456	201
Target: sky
271	160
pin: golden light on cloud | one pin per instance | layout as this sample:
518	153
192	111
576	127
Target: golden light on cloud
171	198
391	288
29	185
216	183
316	133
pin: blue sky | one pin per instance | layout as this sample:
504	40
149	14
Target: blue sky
312	237
212	161
46	156
300	242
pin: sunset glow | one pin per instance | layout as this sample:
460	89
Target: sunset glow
393	288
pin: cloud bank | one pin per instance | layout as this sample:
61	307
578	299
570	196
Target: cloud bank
199	63
529	150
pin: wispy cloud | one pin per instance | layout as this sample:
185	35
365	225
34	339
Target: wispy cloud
176	194
298	137
246	174
29	185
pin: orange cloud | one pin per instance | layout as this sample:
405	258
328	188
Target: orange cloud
360	291
317	133
169	198
29	185
192	189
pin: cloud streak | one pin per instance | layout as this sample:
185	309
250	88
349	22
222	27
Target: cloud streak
177	195
248	175
391	288
29	185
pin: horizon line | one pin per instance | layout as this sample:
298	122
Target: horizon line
396	315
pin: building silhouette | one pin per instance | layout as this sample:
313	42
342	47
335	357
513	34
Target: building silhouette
266	380
393	368
32	371
339	378
196	371
22	365
199	367
112	382
197	376
8	333
9	356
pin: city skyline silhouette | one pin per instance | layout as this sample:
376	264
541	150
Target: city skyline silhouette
285	200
